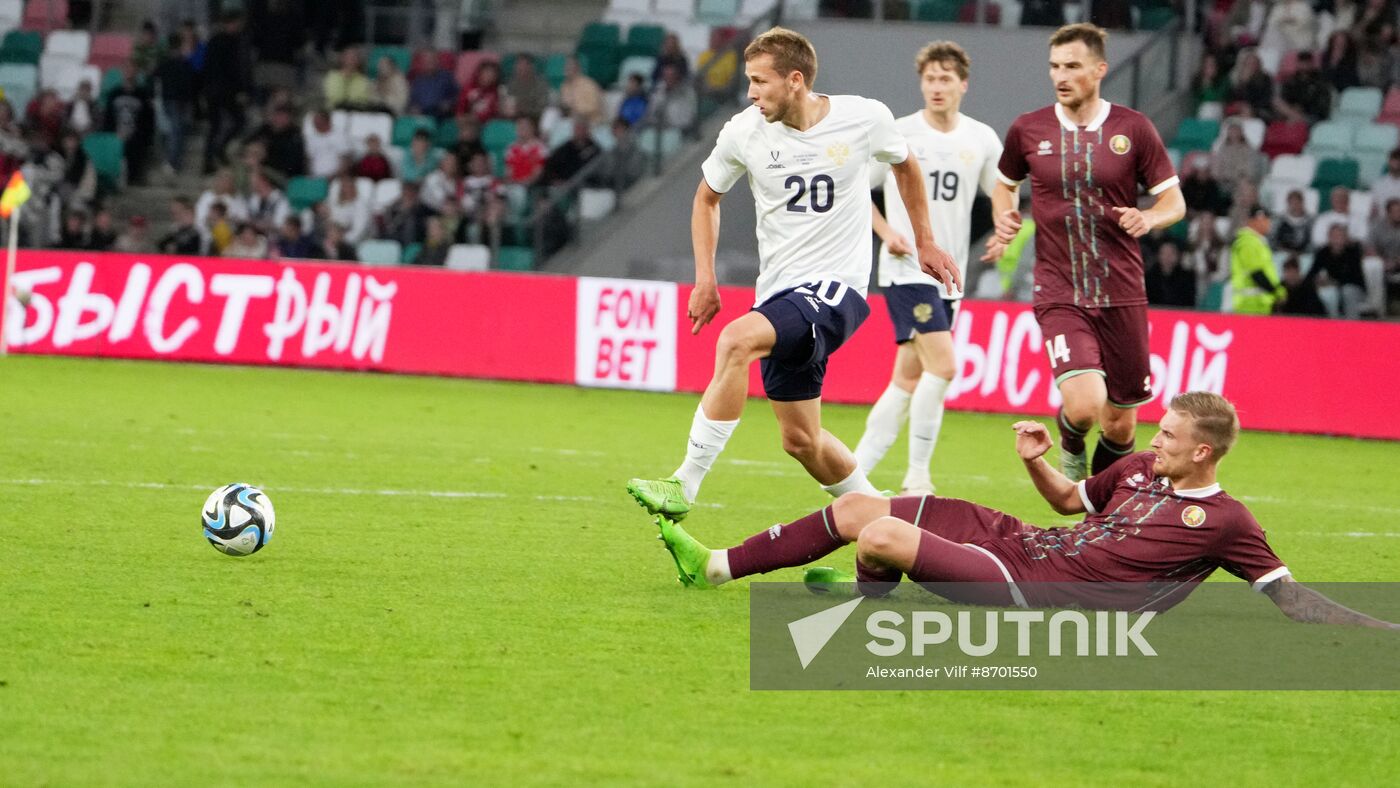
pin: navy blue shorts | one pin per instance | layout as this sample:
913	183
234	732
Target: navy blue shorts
918	309
811	321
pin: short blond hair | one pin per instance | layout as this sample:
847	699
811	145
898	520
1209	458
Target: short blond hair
1213	419
947	54
1092	36
790	50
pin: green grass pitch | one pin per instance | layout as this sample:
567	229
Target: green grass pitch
460	592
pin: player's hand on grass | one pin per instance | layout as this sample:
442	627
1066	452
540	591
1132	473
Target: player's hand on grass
898	245
937	263
1132	220
1007	224
1032	439
704	305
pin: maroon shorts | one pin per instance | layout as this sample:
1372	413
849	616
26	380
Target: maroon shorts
957	564
1111	341
956	520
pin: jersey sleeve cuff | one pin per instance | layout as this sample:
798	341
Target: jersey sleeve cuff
1006	180
1269	577
1083	489
1164	185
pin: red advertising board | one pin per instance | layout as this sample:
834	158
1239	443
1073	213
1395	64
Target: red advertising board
1287	374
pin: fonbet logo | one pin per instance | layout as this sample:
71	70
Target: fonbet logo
1060	633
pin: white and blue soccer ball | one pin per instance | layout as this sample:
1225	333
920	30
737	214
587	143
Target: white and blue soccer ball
238	519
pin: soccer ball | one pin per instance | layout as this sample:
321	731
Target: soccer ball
238	519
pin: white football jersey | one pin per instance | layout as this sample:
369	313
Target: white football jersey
954	164
811	189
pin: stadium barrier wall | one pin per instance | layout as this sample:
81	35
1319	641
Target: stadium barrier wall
1284	374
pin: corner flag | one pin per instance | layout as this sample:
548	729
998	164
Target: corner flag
15	195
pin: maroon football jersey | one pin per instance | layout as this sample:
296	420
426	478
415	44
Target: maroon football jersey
1140	530
1078	175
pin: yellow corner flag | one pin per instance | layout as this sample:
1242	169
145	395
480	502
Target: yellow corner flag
16	193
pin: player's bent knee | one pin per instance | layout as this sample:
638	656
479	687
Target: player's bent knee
855	510
739	344
879	539
801	445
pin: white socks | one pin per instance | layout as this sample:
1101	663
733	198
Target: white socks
717	569
882	426
925	419
707	439
856	482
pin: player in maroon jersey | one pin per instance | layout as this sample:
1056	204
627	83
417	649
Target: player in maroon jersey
1156	525
1086	159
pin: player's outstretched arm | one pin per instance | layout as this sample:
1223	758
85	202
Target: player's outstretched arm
936	262
704	237
1168	210
1032	441
1305	605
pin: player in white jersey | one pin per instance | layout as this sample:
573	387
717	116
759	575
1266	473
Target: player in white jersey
957	155
807	157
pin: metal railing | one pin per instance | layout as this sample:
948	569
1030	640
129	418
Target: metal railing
1150	75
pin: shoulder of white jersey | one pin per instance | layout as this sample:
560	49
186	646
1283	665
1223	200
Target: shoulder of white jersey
861	106
977	127
746	119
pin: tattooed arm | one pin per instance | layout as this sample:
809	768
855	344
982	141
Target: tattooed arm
1303	604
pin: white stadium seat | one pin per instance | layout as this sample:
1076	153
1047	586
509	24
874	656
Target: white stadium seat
468	257
363	124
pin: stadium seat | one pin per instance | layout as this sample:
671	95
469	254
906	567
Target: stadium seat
1335	172
304	192
375	251
1298	168
666	142
1331	139
1196	134
497	135
1377	138
406	126
72	44
1174	156
468	257
363	124
554	69
937	10
104	150
1284	136
1370	166
1278	198
600	34
401	56
410	253
645	40
1210	110
22	46
641	65
1360	103
603	135
601	63
11	14
45	15
515	258
559	135
594	204
469	62
110	50
64	76
385	193
673	7
22	74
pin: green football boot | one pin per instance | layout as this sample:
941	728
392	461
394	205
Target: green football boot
665	497
690	556
1074	466
825	579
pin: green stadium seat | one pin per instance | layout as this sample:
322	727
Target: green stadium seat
601	63
1196	134
22	46
111	80
554	69
600	34
104	150
446	136
937	10
1156	18
1377	137
402	57
304	191
717	12
645	40
497	135
408	125
1360	103
1336	172
1331	139
515	258
411	252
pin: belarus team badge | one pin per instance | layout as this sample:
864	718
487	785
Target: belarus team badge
1119	144
1193	516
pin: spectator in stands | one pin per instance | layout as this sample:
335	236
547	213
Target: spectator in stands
422	158
526	156
468	142
1210	83
1339	61
82	113
1384	240
1375	58
634	102
13	148
146	51
1252	275
1300	296
191	41
222	190
1291	26
1387	187
528	92
390	86
1236	159
131	116
580	95
482	98
623	165
253	159
1168	281
374	164
184	238
1374	15
444	183
1042	13
46	116
286	150
453	219
247	244
1293	232
78	185
1251	86
1201	191
103	235
278	34
177	86
673	102
489	227
324	146
434	251
268	207
671	54
218	230
1209	256
1338	263
74	233
1340	213
349	207
333	245
292	243
566	160
433	91
406	221
1246	19
1111	14
481	181
1305	95
135	239
1242	201
348	87
228	83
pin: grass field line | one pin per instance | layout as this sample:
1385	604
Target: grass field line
1358	507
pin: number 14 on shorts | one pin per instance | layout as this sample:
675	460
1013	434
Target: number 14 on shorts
1058	349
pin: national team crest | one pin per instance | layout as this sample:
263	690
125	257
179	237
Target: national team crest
966	156
1193	516
1120	144
839	153
923	312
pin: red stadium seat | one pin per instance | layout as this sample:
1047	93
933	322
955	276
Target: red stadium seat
468	62
110	50
1284	137
968	13
1390	110
46	15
